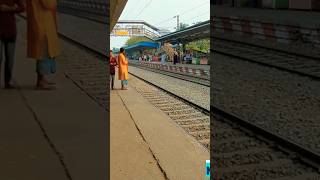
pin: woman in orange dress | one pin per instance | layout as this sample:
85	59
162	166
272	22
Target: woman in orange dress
123	69
43	42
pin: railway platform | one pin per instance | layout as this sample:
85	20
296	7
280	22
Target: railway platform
287	30
148	143
182	69
50	135
194	66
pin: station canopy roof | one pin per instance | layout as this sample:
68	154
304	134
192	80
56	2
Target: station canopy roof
142	45
116	8
189	34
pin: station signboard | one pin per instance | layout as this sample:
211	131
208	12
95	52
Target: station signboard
122	33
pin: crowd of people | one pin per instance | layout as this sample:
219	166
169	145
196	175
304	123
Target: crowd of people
163	58
42	38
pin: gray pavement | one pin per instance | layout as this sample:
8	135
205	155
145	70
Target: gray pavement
50	135
24	152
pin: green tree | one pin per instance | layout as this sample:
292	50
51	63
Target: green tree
136	39
202	45
183	26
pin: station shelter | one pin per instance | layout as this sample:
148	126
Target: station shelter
198	57
191	56
179	40
144	50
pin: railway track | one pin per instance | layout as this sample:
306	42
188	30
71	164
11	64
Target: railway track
303	65
194	119
92	10
262	155
193	79
245	151
83	13
241	150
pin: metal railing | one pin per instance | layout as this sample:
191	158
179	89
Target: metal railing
281	32
135	32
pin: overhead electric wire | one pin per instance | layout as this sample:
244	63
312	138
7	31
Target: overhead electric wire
130	10
189	10
185	12
164	21
196	17
184	21
144	8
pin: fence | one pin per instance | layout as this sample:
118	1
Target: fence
269	31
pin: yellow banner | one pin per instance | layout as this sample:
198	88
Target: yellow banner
122	33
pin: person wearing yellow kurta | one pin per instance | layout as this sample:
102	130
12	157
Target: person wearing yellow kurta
123	69
43	42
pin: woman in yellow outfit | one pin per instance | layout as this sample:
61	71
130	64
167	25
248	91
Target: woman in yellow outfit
43	43
123	69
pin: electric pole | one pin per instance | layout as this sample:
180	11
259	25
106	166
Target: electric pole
177	16
178	27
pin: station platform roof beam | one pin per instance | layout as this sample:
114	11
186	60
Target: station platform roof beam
116	8
189	34
141	46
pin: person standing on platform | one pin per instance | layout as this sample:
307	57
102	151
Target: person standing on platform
113	64
163	58
8	34
123	69
175	58
43	42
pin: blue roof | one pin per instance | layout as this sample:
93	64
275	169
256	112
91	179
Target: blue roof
143	44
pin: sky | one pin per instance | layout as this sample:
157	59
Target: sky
160	13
